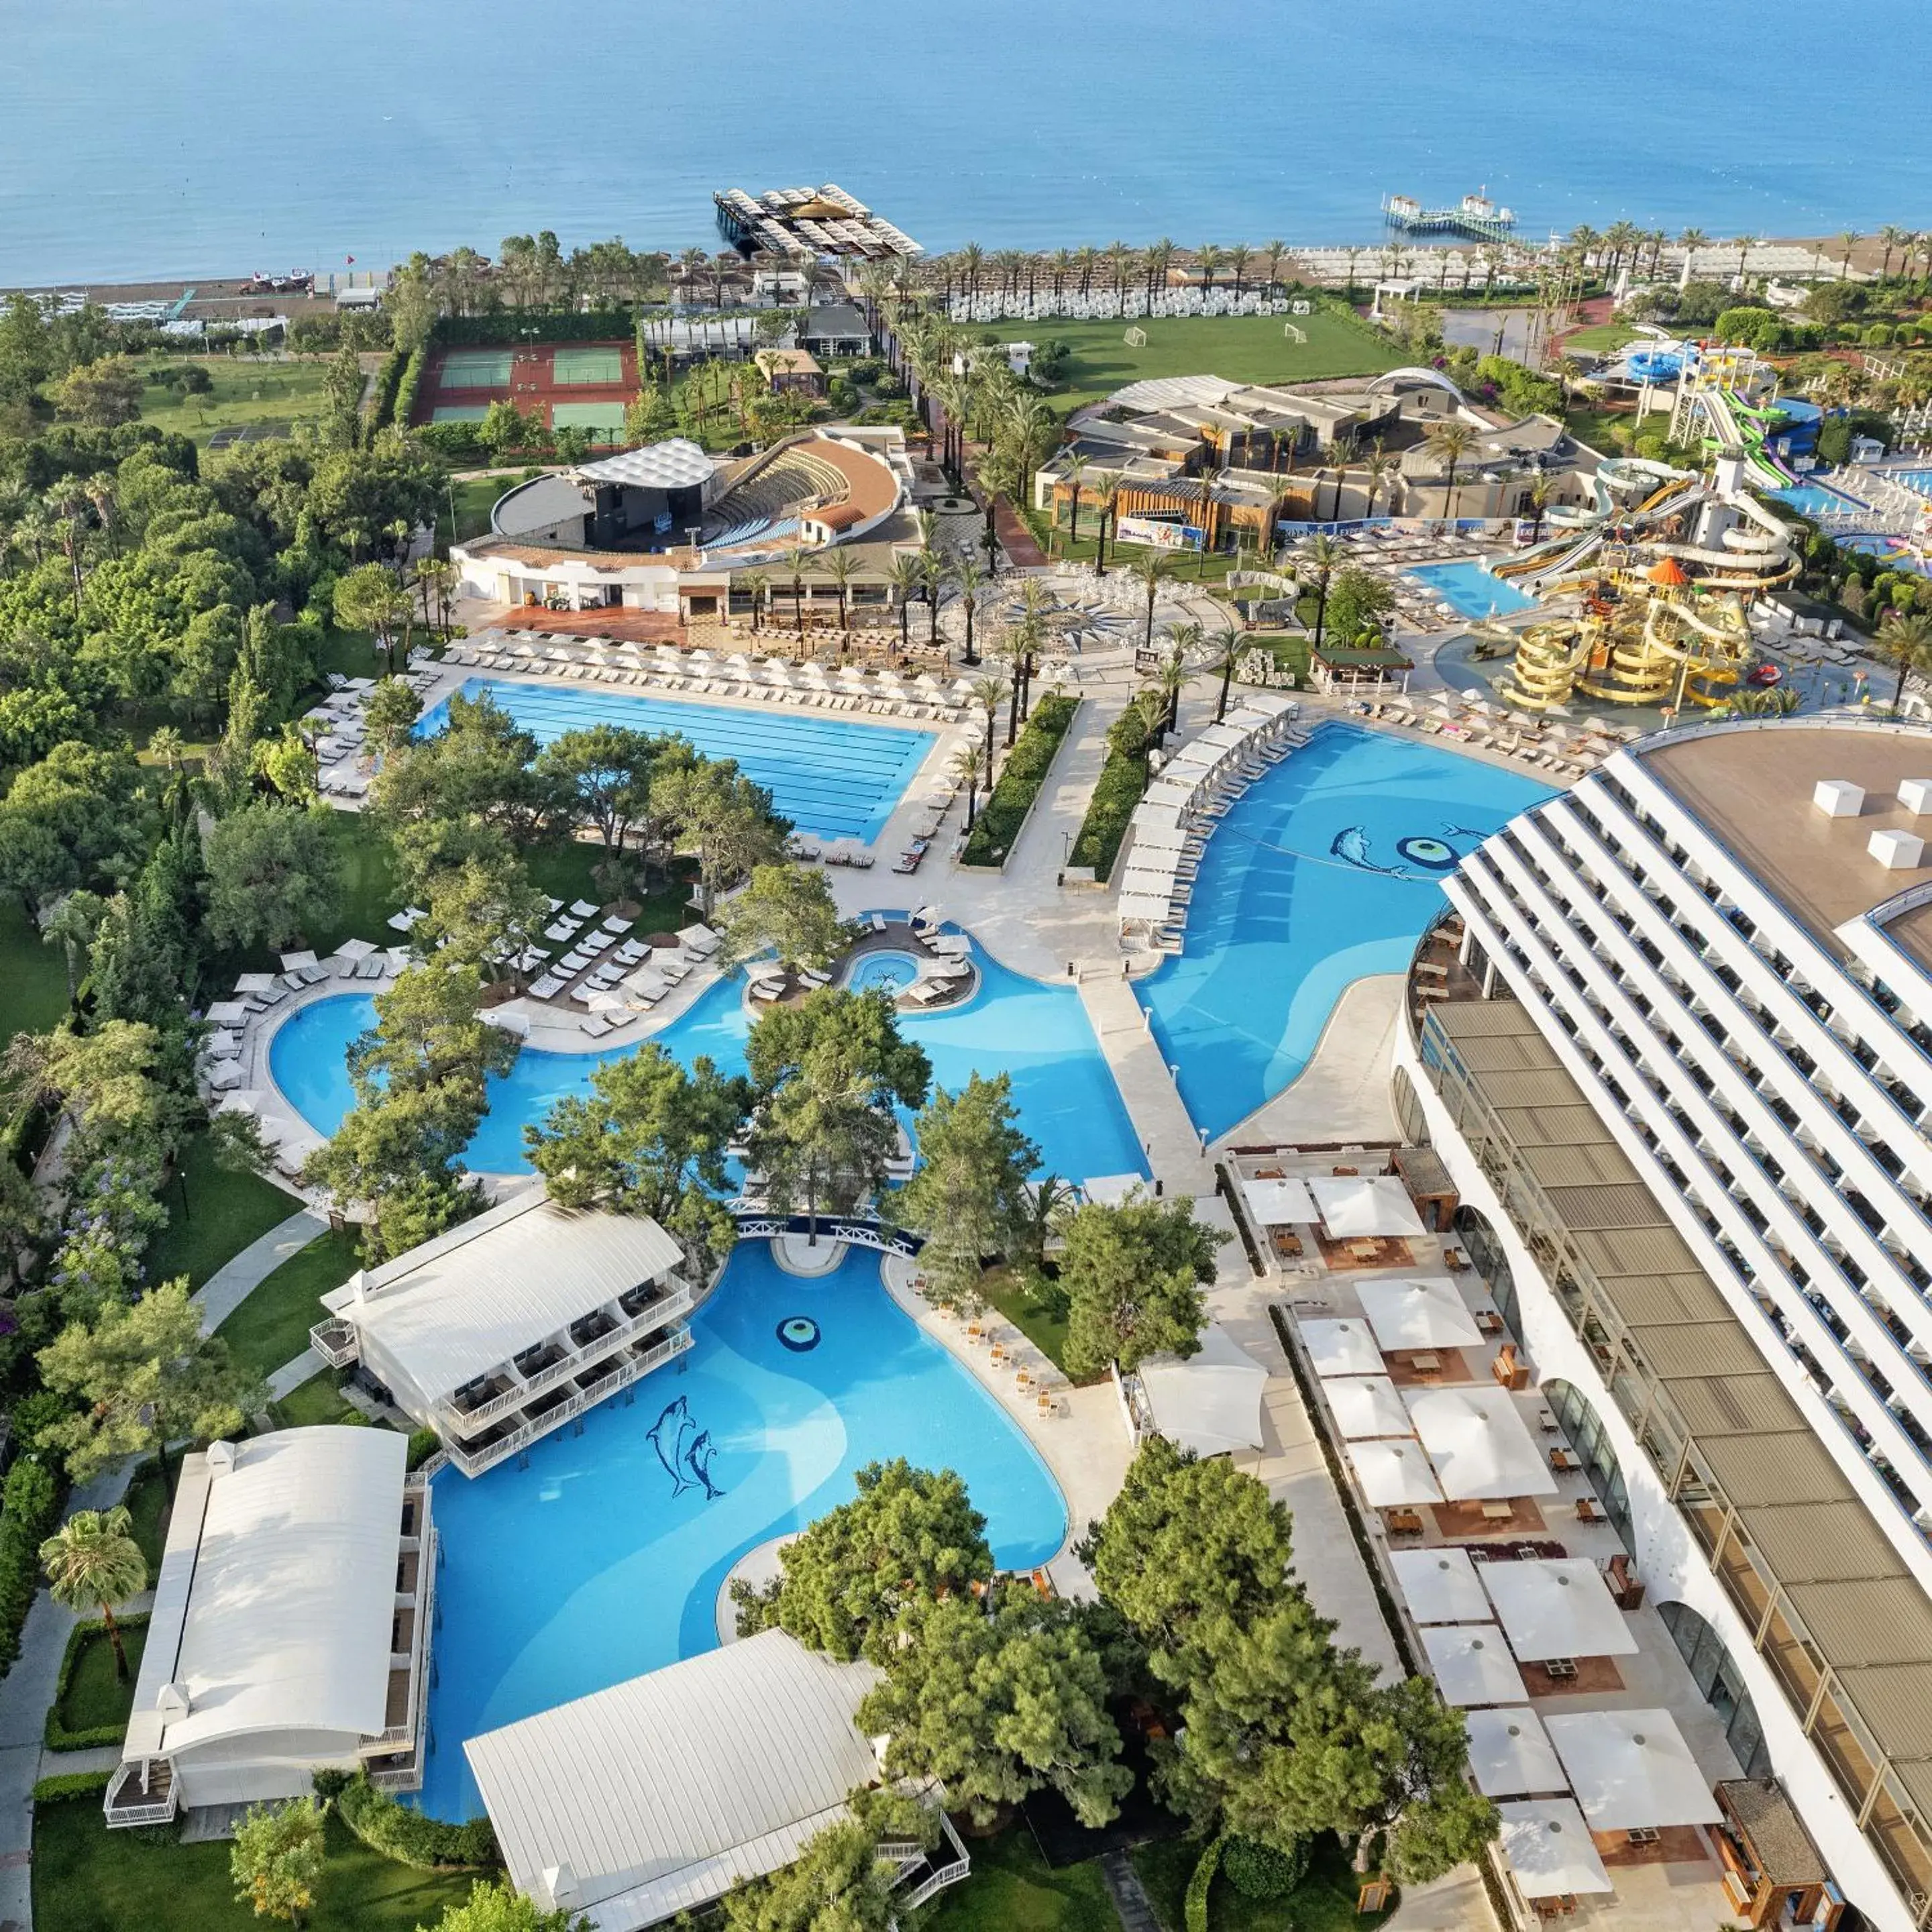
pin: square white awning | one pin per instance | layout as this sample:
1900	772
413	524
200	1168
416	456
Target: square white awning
1427	1314
1510	1754
1367	1406
1632	1768
1472	1664
1343	1348
1440	1586
1278	1204
1549	1849
1149	907
1111	1190
1478	1443
1210	1402
1155	837
1559	1607
1393	1473
1359	1208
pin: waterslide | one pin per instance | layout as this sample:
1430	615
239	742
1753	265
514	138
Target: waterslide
1733	421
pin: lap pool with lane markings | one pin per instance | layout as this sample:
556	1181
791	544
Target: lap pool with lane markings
830	776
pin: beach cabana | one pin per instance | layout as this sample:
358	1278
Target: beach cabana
1631	1770
1548	1849
1364	1207
1428	1314
1440	1586
1278	1203
1478	1444
1344	1348
1209	1403
1557	1607
1366	1405
1511	1754
1393	1475
1472	1665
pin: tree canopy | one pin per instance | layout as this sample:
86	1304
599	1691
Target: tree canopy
1132	1275
787	910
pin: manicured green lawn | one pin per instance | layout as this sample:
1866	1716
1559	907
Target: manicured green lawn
244	392
223	1213
96	1695
271	1326
147	1503
1600	340
1593	426
1033	1306
33	974
1243	349
475	496
88	1879
1012	1889
312	1403
1324	1902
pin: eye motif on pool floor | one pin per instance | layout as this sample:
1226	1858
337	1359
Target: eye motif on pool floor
1428	857
685	1449
798	1332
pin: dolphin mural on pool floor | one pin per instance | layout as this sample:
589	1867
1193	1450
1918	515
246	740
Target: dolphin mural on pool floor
685	1449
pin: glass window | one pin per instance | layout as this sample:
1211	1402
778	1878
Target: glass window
1721	1684
1408	1109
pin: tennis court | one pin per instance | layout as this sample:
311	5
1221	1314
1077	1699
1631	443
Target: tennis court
474	369
604	421
584	367
459	412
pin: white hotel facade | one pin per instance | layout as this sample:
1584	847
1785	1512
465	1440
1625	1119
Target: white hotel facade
1682	1079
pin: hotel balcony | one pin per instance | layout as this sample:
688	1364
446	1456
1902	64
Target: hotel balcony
393	1757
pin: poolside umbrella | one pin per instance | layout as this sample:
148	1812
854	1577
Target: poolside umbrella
222	1044
241	1100
293	962
607	1002
229	1013
353	949
740	663
255	983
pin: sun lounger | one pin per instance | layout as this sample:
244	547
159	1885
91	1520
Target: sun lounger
563	929
631	952
546	987
926	991
584	909
673	969
594	1025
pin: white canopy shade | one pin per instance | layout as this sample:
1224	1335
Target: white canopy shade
222	1044
1367	1406
255	983
292	962
1175	792
1472	1664
1511	1754
1549	1849
1153	906
1478	1443
1393	1474
1155	836
1342	1348
1147	813
354	948
1210	1402
676	464
1152	877
1225	737
1111	1190
1275	1204
1632	1768
1358	1207
1440	1587
228	1012
1428	1314
1557	1607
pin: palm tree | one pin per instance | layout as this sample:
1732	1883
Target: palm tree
1540	490
1237	260
1744	244
1207	259
986	693
101	488
1321	555
970	578
1107	494
1906	642
436	578
840	569
1150	567
1380	466
966	765
1075	470
1159	259
752	583
907	576
92	1561
1275	251
1848	240
1894	238
932	573
1224	665
1450	441
1170	680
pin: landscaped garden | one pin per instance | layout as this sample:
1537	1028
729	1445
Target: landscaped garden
241	393
270	1327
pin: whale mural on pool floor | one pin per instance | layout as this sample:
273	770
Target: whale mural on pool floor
685	1449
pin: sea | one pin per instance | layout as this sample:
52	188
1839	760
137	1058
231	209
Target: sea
223	137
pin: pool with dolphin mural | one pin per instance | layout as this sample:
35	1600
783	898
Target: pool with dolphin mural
604	1556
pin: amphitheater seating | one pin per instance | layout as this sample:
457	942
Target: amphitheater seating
781	489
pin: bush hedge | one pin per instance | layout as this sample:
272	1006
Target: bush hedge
68	1784
30	1504
55	1734
399	1832
408	380
1116	792
423	1443
1200	1884
514	327
999	823
1257	1870
388	380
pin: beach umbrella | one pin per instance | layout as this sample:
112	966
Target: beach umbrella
254	982
294	962
353	949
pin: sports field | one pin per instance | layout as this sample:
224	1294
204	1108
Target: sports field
604	421
474	369
1242	348
587	367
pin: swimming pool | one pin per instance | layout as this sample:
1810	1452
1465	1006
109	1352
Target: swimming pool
1818	499
831	777
885	968
1328	868
1472	590
590	1566
1038	1033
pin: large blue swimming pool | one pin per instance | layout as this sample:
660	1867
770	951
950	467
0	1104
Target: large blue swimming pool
1473	591
1328	868
831	777
588	1567
1038	1033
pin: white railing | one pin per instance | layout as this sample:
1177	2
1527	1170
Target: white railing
336	1342
474	1461
160	1811
949	1874
409	1777
654	1315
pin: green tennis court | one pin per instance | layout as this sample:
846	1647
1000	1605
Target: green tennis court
474	369
576	366
458	412
604	421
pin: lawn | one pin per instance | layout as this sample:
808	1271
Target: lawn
1603	339
1324	1902
223	1212
1013	1889
96	1695
1243	349
271	1326
33	974
1593	427
311	1404
1033	1305
474	497
147	1503
88	1879
244	393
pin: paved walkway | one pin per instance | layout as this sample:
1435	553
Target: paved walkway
229	1286
1131	1904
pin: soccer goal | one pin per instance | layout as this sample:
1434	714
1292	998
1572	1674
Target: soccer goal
1294	333
1136	338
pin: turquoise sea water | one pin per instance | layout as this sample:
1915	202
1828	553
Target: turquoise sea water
213	137
1328	869
597	1562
